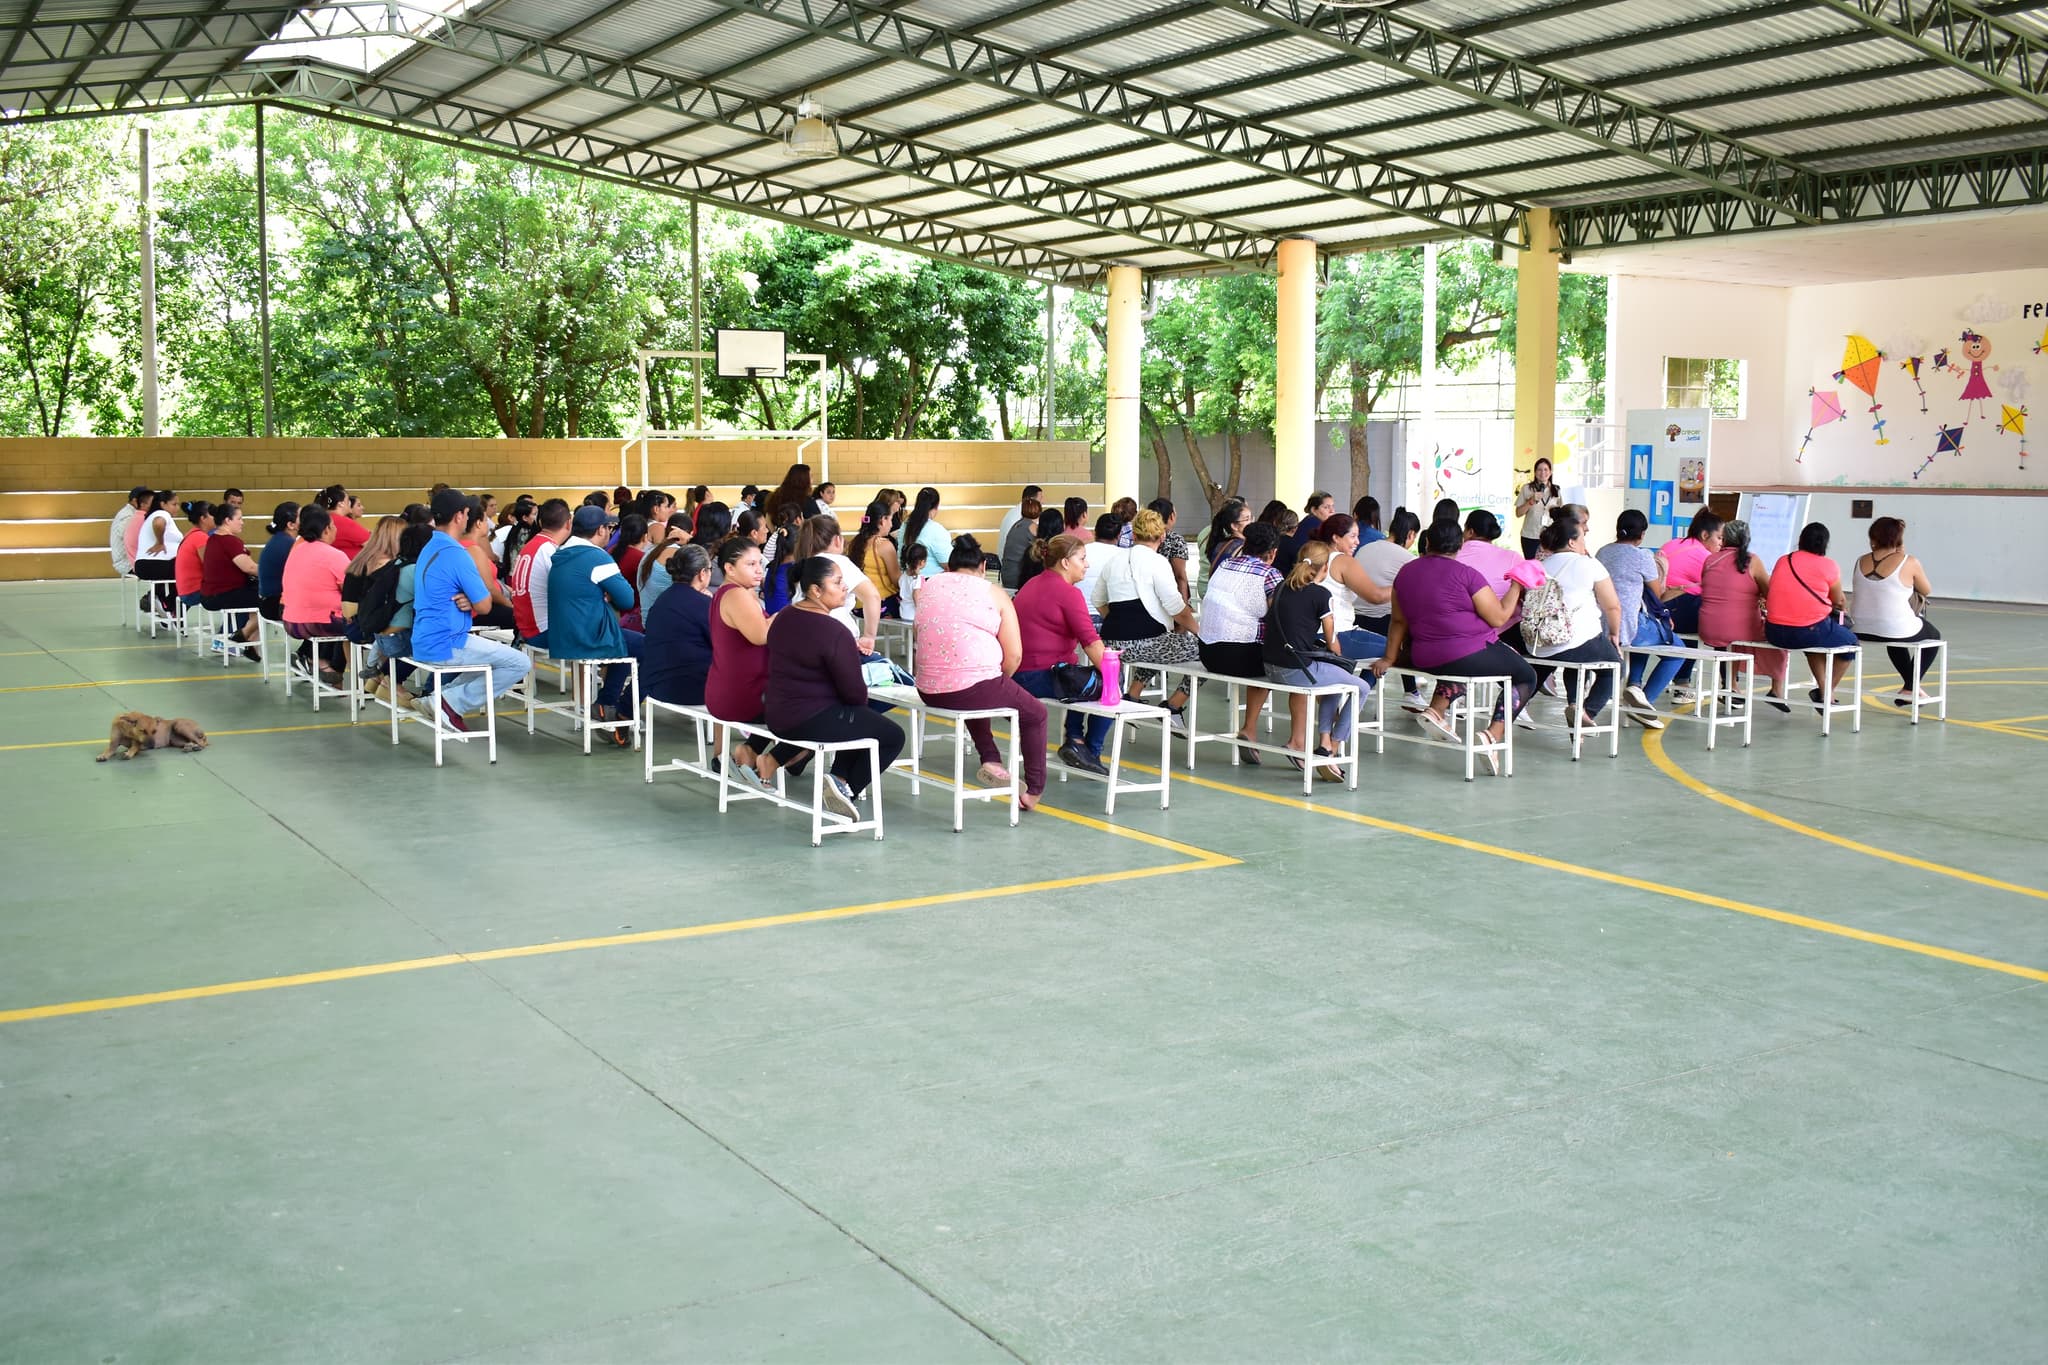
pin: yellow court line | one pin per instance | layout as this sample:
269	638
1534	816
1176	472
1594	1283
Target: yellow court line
2017	668
2015	720
222	676
1879	703
1204	861
1989	611
1653	745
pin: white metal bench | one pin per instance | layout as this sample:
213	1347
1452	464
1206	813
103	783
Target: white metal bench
1345	759
714	764
912	763
1575	727
1120	715
1828	707
576	706
1482	695
222	626
1939	697
443	731
309	671
891	631
1730	678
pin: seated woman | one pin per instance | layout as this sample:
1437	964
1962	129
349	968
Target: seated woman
1733	584
156	548
1891	589
1052	624
395	640
1382	559
1352	590
1596	614
1051	526
1800	608
312	590
284	533
1301	635
815	690
379	550
657	572
1683	560
190	564
1015	549
1233	625
1226	532
227	579
1143	618
635	541
1483	551
1446	620
1638	576
1074	512
675	655
820	537
496	612
738	677
874	549
968	646
1366	512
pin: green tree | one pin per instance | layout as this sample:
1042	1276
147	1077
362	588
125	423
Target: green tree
68	273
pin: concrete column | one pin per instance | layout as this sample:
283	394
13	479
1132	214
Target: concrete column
146	218
1126	341
1294	388
1535	344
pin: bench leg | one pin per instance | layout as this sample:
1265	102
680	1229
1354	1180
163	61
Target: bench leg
490	718
875	785
1116	756
1016	778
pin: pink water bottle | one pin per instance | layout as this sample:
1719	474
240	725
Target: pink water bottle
1112	678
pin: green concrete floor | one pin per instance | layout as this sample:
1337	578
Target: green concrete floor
1577	1088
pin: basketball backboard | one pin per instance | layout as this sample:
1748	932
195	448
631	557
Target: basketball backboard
745	353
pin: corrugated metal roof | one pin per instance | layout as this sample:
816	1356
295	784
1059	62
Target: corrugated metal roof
1209	123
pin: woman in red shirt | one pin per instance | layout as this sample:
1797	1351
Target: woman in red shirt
350	535
1052	623
1801	607
189	567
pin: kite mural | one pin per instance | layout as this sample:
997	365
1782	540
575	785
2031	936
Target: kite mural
2013	421
1862	362
1911	365
1976	350
1827	407
2042	344
1948	442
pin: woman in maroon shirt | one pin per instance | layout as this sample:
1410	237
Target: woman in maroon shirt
815	689
739	654
227	576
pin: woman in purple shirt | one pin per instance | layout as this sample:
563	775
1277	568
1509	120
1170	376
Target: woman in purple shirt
1450	620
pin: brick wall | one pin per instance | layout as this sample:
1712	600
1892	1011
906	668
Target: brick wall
304	464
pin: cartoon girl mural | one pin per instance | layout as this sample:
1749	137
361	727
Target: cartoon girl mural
1976	349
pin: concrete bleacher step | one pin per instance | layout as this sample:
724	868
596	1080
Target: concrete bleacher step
62	534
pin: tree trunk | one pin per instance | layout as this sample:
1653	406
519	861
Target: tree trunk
1354	435
1236	461
1003	414
1161	459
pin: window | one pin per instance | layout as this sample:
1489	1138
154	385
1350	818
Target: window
1715	384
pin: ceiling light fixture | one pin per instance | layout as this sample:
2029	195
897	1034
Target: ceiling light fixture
812	137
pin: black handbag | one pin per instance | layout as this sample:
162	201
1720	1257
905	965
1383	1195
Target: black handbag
1076	682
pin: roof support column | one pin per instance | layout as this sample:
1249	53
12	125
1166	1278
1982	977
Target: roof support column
1125	344
1536	343
1294	384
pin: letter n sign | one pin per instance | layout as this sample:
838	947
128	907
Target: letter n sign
1639	458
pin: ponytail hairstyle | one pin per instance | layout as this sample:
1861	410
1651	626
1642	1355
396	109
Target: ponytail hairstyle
282	517
331	497
927	503
1051	524
1632	525
1223	525
1735	536
1560	532
1107	528
1404	524
729	553
874	522
632	530
1054	551
1442	537
966	554
914	556
690	560
1704	524
813	538
714	519
1366	512
198	510
1075	510
1309	564
413	541
812	573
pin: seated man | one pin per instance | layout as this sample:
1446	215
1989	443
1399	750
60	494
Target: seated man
530	572
446	586
586	593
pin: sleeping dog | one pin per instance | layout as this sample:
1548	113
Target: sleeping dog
133	732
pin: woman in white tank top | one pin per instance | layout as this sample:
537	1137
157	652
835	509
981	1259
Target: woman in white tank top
1352	590
1891	589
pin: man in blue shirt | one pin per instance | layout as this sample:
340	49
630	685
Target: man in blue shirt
445	586
586	593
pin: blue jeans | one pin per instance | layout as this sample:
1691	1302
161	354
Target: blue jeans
1330	711
466	692
1359	643
1038	682
1651	631
1826	633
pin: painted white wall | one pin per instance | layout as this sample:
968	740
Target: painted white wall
1650	319
1981	549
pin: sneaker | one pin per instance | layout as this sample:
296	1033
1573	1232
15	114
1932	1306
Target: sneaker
1525	721
1074	756
1637	699
423	705
1418	700
1434	726
454	718
993	775
840	796
1552	688
1682	696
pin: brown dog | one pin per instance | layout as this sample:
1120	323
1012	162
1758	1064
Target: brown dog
133	732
